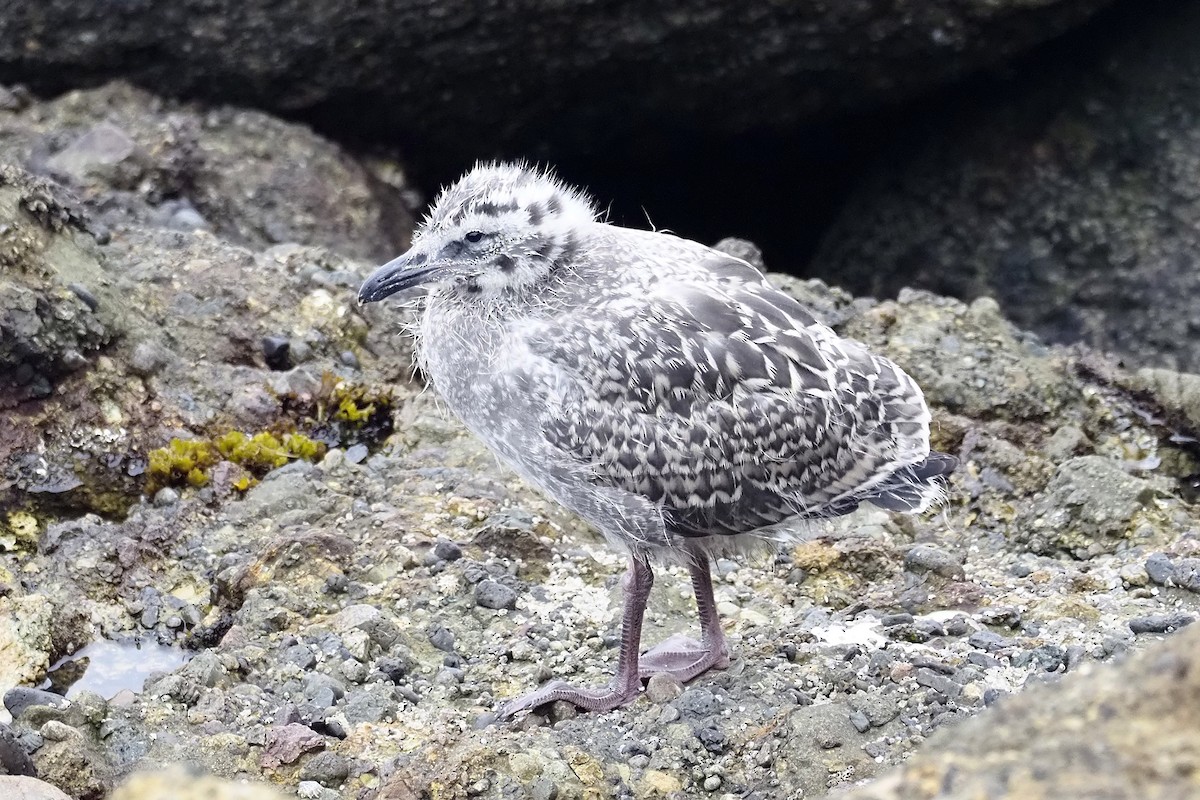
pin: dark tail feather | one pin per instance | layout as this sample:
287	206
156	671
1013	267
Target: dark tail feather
914	488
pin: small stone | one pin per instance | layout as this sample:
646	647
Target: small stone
356	454
889	620
446	550
1161	623
713	739
286	743
300	655
275	351
697	702
982	660
712	783
55	731
663	688
927	558
85	295
545	789
17	699
148	358
1160	569
493	594
939	683
372	703
987	640
860	722
441	638
326	768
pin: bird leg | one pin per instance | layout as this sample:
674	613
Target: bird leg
625	686
684	657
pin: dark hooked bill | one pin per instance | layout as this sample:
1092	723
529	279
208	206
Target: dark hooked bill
395	276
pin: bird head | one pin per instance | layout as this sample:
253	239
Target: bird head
500	228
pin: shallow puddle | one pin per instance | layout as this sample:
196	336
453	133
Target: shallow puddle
106	667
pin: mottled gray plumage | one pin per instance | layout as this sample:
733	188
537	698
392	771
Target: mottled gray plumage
661	389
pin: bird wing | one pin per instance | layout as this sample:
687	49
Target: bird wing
724	401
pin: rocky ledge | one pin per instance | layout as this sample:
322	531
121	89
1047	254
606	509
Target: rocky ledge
214	454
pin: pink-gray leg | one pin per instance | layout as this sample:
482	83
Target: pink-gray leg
625	686
684	657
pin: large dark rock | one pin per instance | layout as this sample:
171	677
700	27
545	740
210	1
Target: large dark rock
464	79
1125	732
1073	199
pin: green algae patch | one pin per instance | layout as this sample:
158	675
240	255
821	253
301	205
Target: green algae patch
189	462
342	414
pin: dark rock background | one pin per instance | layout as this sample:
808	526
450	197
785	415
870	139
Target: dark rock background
1071	196
335	599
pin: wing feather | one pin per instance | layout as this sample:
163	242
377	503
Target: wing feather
725	402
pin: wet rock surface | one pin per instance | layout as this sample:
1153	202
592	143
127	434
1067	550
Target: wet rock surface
354	614
1071	198
426	74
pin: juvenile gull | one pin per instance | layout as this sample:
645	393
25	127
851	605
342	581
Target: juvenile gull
662	390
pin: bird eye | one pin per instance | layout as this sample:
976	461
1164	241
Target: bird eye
474	236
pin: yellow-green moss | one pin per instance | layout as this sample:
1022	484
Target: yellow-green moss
188	462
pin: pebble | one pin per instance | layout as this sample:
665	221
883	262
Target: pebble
938	682
990	641
85	295
356	454
713	739
889	620
446	550
860	722
928	558
372	703
299	655
441	638
18	699
663	688
326	768
495	595
982	660
275	351
697	702
1161	623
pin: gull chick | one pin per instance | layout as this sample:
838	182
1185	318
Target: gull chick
660	389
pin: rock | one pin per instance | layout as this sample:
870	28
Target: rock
493	594
14	759
19	698
368	619
1090	506
1049	196
15	787
105	153
1177	392
762	64
46	325
1161	623
29	643
663	688
73	762
1018	750
928	558
326	768
372	703
286	743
